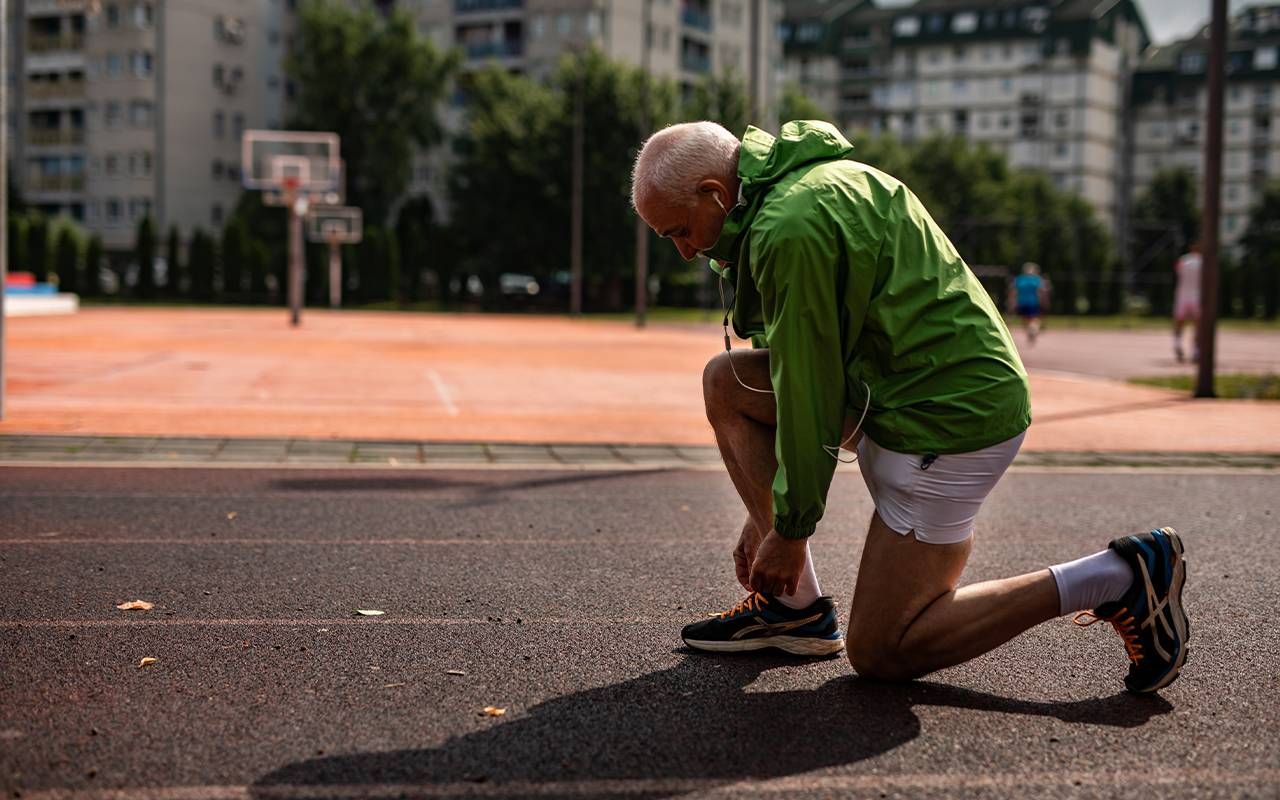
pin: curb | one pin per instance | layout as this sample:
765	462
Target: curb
152	451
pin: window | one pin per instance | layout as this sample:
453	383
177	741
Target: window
1264	58
538	28
237	127
140	113
217	168
564	24
114	64
146	162
113	164
218	75
141	63
958	53
215	214
960	86
937	23
593	23
906	26
1191	63
965	22
142	15
1061	149
133	164
1061	119
113	209
219	125
111	116
113	15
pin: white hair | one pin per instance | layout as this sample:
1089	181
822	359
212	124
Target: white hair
673	160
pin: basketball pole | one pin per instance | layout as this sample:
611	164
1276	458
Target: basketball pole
335	272
297	210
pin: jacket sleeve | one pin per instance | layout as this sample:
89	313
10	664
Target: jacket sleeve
795	263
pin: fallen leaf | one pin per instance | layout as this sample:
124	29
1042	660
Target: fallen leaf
232	515
369	612
140	605
455	672
393	685
493	711
146	661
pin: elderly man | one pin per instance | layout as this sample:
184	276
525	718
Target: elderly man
872	335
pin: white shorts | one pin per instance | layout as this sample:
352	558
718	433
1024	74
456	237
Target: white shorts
940	500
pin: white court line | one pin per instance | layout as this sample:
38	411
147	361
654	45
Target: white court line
443	391
13	624
828	785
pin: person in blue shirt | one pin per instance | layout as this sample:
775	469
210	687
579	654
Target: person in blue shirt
1029	295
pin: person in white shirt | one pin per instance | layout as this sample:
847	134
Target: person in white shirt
1186	300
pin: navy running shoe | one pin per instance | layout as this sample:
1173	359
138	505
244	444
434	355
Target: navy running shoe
761	621
1149	617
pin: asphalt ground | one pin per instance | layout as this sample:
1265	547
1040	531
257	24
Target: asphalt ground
558	595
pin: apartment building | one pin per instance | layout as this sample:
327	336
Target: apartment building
129	108
679	40
1170	105
1044	81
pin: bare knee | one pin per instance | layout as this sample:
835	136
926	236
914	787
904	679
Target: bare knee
883	663
717	380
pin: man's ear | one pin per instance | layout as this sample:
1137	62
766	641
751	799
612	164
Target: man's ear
716	189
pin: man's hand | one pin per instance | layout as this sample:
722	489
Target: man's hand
745	553
777	565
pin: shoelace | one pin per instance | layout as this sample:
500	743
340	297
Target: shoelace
1123	625
752	602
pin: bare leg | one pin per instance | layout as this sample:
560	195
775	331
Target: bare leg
909	619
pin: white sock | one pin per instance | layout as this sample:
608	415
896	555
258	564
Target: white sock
1086	583
807	589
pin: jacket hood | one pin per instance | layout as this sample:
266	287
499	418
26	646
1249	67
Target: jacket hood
763	160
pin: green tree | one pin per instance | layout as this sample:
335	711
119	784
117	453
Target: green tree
235	252
202	259
1260	262
413	235
17	243
259	257
67	259
176	280
722	99
38	246
379	265
144	252
376	82
93	267
267	229
1165	220
796	105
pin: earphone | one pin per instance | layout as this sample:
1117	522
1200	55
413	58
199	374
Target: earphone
716	197
834	452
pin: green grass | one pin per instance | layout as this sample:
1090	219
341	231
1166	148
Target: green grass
1234	386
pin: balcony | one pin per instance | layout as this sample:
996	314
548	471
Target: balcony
696	18
55	183
512	48
56	90
479	6
56	137
46	43
695	62
40	8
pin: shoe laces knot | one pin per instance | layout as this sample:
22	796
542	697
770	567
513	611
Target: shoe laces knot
752	602
1122	621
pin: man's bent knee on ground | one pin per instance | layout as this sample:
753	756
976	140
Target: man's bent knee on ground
862	303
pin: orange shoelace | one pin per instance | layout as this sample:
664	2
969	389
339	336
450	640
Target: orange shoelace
1123	625
752	602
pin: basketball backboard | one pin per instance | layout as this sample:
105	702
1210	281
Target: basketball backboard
335	224
280	161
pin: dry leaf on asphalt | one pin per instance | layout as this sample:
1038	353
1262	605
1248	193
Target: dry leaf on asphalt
369	612
455	672
393	685
232	515
493	711
139	605
146	661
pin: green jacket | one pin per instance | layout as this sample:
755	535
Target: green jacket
848	280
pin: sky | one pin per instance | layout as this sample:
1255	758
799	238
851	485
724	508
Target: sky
1167	20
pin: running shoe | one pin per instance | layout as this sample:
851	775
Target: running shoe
761	621
1149	617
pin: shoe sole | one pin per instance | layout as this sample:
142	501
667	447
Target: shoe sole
796	645
1181	624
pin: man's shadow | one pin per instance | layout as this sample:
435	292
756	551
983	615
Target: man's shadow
695	723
